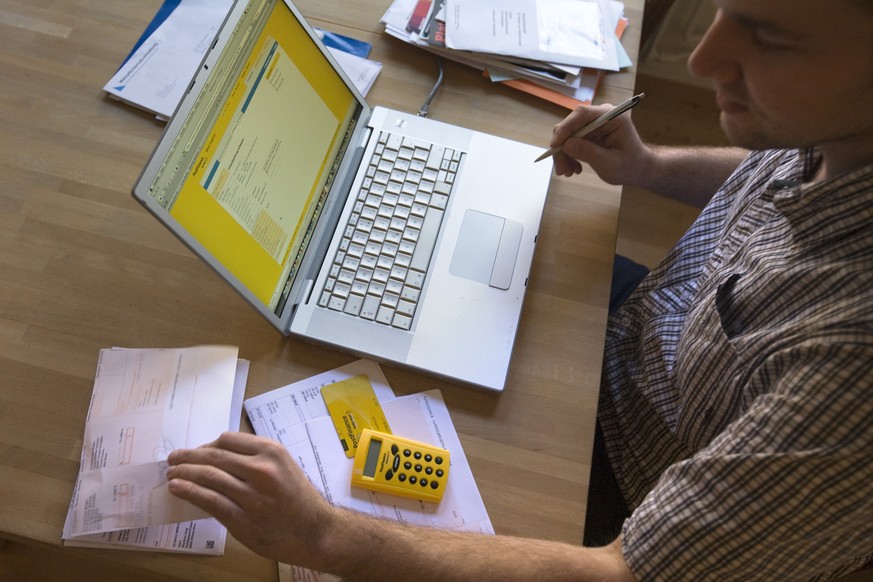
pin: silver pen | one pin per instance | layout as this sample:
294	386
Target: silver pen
608	116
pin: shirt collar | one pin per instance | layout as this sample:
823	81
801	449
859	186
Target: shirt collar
842	201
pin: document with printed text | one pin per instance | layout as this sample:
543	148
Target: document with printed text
145	404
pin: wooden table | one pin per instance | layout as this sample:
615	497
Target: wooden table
84	267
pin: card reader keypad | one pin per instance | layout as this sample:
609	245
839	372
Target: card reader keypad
415	468
379	269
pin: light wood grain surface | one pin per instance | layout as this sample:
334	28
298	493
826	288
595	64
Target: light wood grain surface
84	267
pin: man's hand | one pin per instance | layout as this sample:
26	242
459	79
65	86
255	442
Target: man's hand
254	487
615	150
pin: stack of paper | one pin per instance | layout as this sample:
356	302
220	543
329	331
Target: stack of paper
145	404
555	49
157	72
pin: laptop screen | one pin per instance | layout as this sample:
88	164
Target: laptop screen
252	165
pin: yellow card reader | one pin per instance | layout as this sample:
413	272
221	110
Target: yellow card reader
388	463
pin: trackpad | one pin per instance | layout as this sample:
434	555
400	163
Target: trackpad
486	249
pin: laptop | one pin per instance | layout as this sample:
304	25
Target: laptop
418	257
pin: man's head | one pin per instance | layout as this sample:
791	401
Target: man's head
793	74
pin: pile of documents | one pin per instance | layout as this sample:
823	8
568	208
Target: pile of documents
148	402
555	49
145	404
157	72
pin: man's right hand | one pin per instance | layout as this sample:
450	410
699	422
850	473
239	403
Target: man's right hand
615	150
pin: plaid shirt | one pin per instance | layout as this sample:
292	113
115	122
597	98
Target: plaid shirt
737	397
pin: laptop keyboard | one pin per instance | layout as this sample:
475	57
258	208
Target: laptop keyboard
380	267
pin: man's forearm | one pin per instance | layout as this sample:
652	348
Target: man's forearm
690	174
365	548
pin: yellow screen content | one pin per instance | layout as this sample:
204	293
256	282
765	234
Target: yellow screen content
249	196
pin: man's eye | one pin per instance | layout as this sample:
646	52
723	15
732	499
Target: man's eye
763	41
769	39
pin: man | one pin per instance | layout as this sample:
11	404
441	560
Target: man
737	396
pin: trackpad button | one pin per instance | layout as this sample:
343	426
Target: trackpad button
486	249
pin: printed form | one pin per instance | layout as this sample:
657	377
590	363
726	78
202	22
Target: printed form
145	404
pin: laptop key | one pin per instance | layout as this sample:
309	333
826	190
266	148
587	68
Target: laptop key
402	321
370	307
385	315
410	294
427	240
415	279
439	201
406	308
354	304
394	286
393	142
442	188
435	158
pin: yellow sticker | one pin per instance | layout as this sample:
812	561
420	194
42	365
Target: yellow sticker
353	406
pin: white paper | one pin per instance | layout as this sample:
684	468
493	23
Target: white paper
202	536
145	404
157	74
398	14
362	72
574	32
581	85
566	79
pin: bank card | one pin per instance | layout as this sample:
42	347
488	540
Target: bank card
353	406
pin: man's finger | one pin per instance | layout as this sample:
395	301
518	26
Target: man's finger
211	466
209	500
241	443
